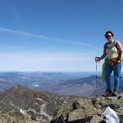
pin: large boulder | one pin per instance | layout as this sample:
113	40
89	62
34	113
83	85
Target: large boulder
89	110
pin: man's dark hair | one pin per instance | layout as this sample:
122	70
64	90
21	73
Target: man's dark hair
109	32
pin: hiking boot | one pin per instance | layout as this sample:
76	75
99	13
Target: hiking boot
115	93
107	93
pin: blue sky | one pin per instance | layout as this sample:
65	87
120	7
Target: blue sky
56	35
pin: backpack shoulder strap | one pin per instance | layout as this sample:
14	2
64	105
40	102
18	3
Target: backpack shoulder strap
105	46
114	44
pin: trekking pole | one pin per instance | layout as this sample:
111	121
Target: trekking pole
96	79
120	76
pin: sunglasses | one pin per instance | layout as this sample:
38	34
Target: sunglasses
108	36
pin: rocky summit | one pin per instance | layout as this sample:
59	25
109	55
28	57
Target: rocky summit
21	104
85	110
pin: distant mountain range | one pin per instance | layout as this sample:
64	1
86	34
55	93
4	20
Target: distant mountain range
27	98
78	84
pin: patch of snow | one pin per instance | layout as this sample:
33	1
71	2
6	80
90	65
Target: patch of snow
65	101
35	85
41	100
42	112
23	112
11	103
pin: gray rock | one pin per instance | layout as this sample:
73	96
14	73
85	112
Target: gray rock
89	109
96	119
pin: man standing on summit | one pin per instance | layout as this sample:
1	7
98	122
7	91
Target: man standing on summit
113	54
